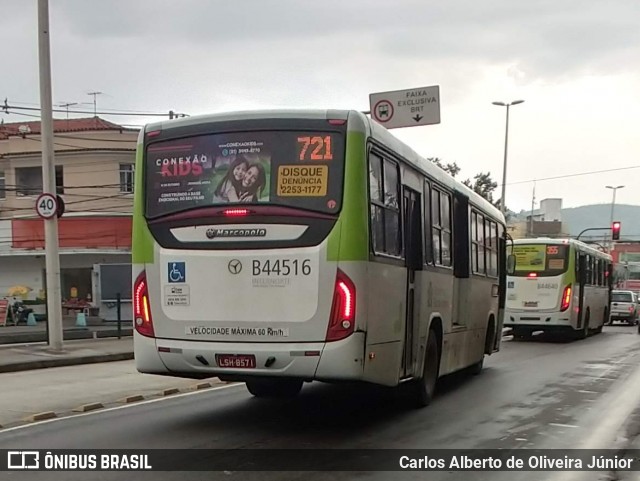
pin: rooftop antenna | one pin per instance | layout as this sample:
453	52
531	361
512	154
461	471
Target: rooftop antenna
67	105
95	109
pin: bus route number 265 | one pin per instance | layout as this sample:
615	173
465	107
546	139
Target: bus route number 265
281	267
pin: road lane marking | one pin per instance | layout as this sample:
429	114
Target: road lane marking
131	405
625	398
563	425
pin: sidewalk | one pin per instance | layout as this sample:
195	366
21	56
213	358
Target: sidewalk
38	356
95	328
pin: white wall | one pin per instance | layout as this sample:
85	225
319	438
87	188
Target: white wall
21	270
551	209
5	233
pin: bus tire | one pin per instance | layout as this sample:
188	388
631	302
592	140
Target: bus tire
424	388
490	337
489	341
274	388
476	368
584	332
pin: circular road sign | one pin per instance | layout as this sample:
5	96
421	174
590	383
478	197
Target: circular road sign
383	111
47	206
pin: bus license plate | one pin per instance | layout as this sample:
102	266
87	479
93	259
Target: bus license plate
243	361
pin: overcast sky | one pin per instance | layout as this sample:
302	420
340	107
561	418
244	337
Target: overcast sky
576	63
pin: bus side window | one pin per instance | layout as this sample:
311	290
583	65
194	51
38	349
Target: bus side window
428	222
393	232
445	224
375	194
600	272
385	207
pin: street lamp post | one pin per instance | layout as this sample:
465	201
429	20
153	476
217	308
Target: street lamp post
503	204
613	201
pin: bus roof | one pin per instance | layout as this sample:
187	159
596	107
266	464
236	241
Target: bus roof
576	243
357	122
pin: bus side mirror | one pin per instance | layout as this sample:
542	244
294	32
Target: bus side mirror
511	264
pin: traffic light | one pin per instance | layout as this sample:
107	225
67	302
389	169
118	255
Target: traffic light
615	230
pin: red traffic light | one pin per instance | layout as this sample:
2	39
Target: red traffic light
615	230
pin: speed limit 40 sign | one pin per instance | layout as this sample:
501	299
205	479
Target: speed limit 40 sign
47	206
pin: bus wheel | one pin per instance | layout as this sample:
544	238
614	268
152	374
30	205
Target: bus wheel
425	387
584	332
605	320
476	368
274	388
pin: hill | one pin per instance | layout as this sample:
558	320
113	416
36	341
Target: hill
576	219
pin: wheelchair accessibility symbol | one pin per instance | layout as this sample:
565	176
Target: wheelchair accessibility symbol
177	272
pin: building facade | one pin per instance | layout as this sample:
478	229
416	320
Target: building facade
543	222
94	168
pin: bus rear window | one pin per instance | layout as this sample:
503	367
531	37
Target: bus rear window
297	169
542	259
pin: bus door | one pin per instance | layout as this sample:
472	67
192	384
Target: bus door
412	226
582	266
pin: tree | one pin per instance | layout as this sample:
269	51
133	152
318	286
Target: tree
450	168
483	185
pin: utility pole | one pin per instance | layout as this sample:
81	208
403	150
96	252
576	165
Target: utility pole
54	294
533	204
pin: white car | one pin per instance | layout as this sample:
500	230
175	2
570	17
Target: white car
624	307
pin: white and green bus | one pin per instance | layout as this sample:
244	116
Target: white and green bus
560	285
279	247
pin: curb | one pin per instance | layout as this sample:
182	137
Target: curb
132	399
127	400
68	361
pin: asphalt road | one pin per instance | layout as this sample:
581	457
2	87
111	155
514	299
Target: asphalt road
532	394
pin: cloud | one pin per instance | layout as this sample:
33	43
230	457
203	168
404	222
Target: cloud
574	62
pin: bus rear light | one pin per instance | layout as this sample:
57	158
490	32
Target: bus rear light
343	310
566	298
532	275
154	133
236	212
337	121
141	307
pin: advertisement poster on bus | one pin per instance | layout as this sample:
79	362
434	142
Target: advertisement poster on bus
207	171
285	168
530	257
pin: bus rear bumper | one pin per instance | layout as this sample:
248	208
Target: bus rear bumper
333	361
556	321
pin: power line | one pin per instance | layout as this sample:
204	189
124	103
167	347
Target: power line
574	175
19	113
6	107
